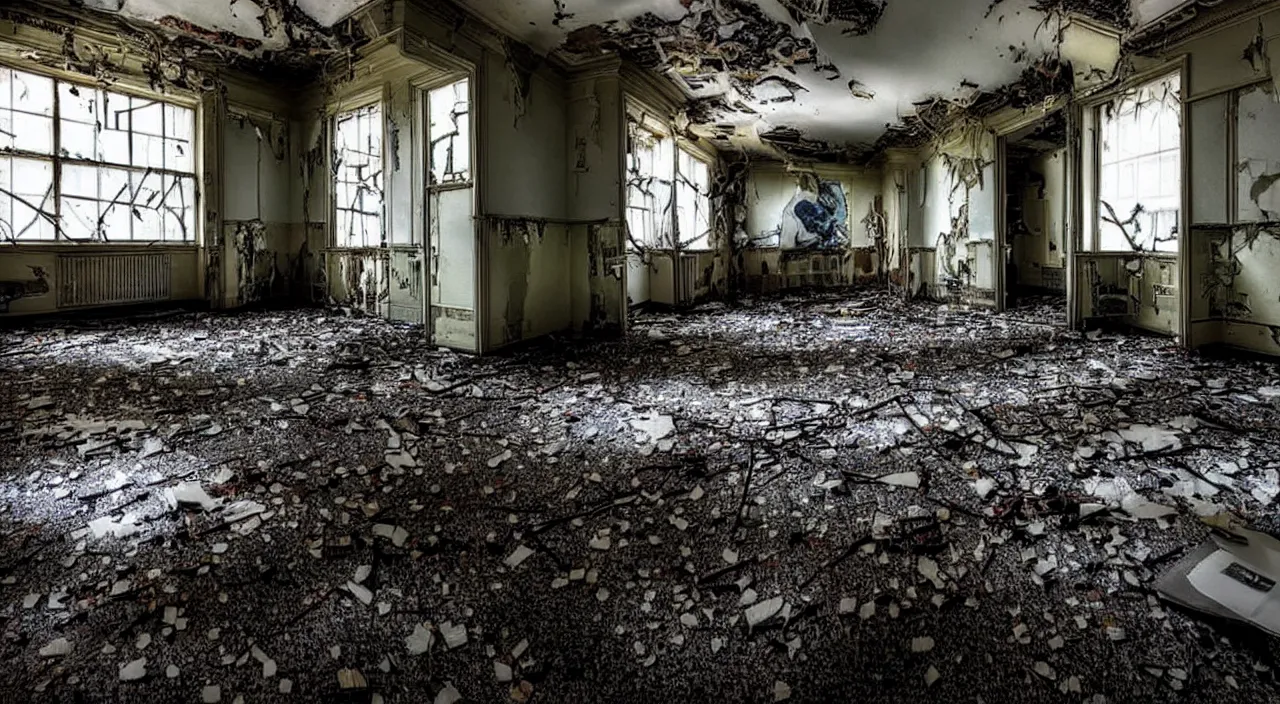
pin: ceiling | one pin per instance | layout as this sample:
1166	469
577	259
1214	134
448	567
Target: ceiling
831	73
238	17
871	62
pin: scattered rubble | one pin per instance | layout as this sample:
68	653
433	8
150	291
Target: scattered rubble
891	499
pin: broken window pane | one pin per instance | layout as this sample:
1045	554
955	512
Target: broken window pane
129	197
357	184
26	199
1140	186
26	112
693	202
448	110
650	168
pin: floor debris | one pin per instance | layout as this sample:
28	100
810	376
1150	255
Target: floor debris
759	496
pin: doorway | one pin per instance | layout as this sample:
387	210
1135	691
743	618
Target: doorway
450	205
1035	205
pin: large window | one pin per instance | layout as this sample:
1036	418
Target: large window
357	177
693	201
118	168
650	167
450	134
1139	160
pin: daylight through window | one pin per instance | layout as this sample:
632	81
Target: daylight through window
126	164
1140	192
693	202
357	169
649	169
450	134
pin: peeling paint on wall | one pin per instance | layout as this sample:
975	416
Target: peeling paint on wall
34	287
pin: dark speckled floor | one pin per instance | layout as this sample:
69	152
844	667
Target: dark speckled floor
385	488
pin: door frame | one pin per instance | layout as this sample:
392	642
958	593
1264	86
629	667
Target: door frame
424	190
1002	133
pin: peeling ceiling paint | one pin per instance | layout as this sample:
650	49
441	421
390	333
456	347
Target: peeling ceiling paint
820	75
256	20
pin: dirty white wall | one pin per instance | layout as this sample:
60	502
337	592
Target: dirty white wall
261	246
1234	130
595	126
959	219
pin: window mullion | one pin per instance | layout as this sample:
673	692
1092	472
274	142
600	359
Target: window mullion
57	161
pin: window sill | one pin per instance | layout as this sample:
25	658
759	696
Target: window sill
46	246
451	186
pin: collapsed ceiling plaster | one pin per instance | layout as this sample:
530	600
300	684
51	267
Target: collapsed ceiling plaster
289	41
264	23
815	78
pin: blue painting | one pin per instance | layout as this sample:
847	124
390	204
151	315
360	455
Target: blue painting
824	219
811	220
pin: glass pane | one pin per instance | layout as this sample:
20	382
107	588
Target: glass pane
148	117
177	155
80	219
148	151
79	103
179	122
26	207
450	133
80	181
117	222
114	185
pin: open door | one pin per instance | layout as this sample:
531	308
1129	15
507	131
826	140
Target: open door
450	209
1032	234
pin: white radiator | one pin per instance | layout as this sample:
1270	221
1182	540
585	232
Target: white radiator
113	279
688	278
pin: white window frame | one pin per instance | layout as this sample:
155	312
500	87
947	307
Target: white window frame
454	179
702	199
1150	218
51	208
339	241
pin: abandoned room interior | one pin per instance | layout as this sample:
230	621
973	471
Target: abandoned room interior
639	351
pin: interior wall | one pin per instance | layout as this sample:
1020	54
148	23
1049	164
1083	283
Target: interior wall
594	135
1233	121
959	199
792	229
525	246
261	245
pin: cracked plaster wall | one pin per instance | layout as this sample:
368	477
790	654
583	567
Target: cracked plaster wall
1234	122
1235	292
958	199
262	245
594	127
524	229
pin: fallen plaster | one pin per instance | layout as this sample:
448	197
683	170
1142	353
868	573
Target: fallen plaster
905	485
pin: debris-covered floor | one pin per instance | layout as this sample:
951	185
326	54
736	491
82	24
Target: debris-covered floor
808	499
